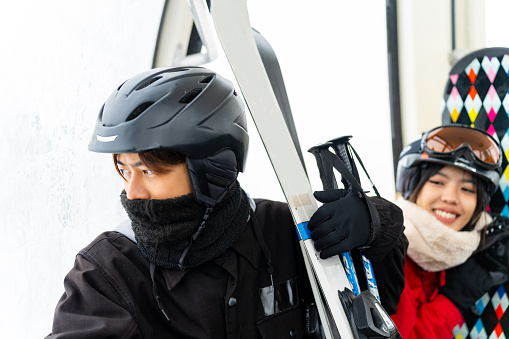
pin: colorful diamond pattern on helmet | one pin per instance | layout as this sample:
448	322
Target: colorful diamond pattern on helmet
492	103
472	93
505	63
505	102
498	333
455	115
478	331
500	302
472	69
483	85
490	66
478	95
504	143
503	187
505	192
490	320
473	104
460	331
454	104
505	210
482	302
491	131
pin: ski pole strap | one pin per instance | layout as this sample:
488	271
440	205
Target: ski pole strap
364	169
343	149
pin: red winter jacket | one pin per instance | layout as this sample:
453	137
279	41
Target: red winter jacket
422	311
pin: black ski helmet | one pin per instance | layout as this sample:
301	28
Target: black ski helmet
414	155
191	110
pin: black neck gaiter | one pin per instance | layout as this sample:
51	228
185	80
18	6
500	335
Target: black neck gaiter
163	227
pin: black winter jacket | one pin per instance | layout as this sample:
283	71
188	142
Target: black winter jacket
109	292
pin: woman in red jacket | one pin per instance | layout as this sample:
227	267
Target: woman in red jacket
446	180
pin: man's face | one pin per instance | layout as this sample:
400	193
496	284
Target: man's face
142	183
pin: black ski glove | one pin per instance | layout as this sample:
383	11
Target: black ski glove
341	224
466	283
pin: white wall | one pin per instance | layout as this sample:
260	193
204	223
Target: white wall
59	61
425	54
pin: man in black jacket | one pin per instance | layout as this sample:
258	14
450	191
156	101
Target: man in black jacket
199	258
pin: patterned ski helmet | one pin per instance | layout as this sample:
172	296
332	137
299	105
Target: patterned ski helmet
476	94
192	110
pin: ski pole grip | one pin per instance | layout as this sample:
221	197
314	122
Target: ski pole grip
340	147
324	162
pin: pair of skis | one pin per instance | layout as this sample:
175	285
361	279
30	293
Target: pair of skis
327	277
231	20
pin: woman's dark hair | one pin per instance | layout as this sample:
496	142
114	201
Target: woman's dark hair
157	161
424	171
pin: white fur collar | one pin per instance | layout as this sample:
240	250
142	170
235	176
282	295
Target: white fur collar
434	246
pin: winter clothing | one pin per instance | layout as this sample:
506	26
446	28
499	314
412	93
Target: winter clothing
167	221
153	221
109	292
466	283
424	311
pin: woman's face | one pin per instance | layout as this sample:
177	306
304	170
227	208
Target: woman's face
450	195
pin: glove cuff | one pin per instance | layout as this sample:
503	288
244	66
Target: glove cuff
389	229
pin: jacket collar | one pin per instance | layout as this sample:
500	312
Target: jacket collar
246	246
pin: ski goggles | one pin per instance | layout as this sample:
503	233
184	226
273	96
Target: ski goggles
455	141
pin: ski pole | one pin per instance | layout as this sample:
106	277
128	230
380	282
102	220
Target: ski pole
324	164
340	147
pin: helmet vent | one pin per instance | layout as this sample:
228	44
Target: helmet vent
122	84
138	110
189	96
100	118
147	83
207	79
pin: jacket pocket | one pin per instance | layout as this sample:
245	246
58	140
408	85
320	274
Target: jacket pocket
287	324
